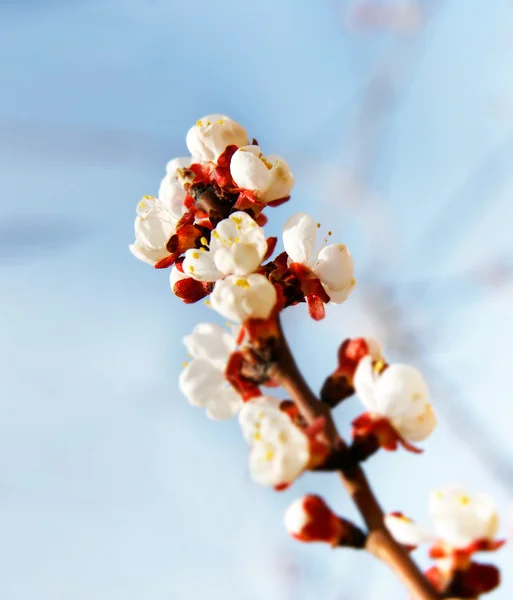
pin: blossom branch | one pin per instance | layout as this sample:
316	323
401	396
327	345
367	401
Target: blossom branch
379	541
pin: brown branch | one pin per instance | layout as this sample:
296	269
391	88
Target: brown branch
379	541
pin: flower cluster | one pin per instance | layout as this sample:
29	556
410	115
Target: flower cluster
207	226
464	524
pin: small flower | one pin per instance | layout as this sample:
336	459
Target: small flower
397	395
462	519
268	177
237	246
209	138
280	451
171	191
332	265
187	289
310	519
154	226
203	380
242	298
463	523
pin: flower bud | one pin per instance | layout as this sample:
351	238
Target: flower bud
212	134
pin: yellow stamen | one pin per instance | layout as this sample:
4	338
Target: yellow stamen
208	123
464	500
318	225
216	235
237	240
195	255
184	364
199	123
204	241
257	436
191	269
220	122
283	437
237	220
379	365
266	163
202	249
207	303
269	455
260	415
243	283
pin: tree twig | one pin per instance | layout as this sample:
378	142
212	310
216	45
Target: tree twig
379	541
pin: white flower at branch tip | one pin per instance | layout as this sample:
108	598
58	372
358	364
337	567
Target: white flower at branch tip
211	135
237	246
242	298
269	177
461	518
171	191
400	394
154	225
279	452
332	264
203	380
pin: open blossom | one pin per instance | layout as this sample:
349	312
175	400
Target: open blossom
171	191
463	522
211	135
203	380
154	225
399	395
242	298
280	451
333	264
268	177
237	246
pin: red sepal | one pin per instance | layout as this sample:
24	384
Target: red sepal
246	388
261	220
278	201
247	200
189	290
185	238
315	307
224	160
166	262
271	245
223	178
369	425
201	173
187	218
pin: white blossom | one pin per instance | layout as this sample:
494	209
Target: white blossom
459	519
171	191
212	134
279	451
203	380
154	225
237	246
242	298
333	264
400	394
268	177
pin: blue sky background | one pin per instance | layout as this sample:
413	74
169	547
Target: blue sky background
111	485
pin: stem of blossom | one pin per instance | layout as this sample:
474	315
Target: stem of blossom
379	541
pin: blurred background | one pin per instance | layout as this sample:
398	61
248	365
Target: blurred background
397	119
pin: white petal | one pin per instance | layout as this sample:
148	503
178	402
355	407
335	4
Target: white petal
417	428
211	343
201	266
240	259
296	517
401	392
172	195
299	235
335	267
461	518
175	276
407	532
248	170
224	405
147	255
339	296
200	381
154	225
257	411
242	298
179	163
212	134
281	180
365	380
